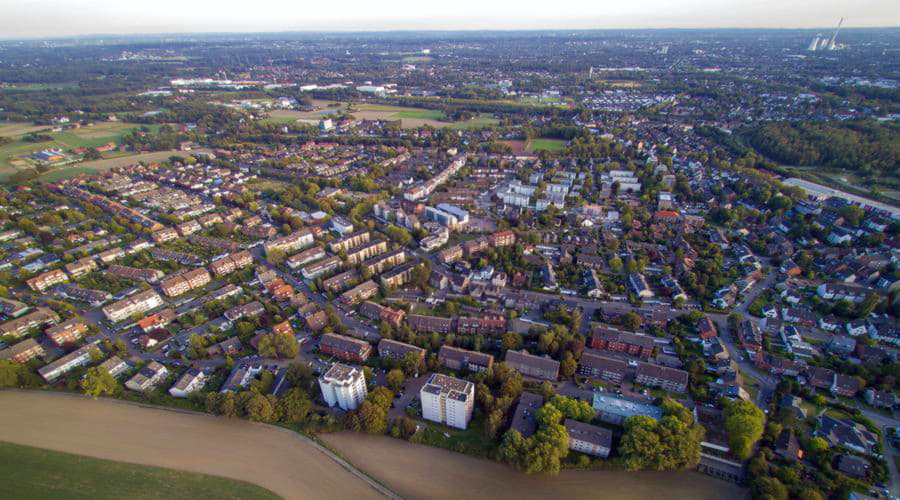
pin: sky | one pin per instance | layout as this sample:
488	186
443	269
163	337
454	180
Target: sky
55	18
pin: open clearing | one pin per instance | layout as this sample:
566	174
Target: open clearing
417	471
276	459
40	473
409	117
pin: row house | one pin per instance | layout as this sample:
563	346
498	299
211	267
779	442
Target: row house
488	325
340	281
185	282
362	252
462	359
179	257
304	257
393	349
379	263
75	359
350	241
215	243
346	348
95	298
669	379
136	304
364	291
111	255
294	241
164	235
132	273
231	262
188	228
778	365
530	365
393	317
81	267
20	326
248	310
67	332
23	352
419	323
46	280
843	291
324	266
399	275
603	368
608	339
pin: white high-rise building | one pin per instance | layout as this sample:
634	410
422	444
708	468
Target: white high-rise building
448	400
343	386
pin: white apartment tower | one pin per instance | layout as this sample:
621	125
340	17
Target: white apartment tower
343	386
448	400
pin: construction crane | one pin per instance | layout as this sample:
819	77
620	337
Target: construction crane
832	45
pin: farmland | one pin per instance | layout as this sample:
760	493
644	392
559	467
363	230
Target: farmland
11	155
41	473
409	117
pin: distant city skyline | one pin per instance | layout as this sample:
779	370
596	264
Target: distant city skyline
58	18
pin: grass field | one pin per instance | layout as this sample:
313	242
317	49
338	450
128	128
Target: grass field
36	473
536	145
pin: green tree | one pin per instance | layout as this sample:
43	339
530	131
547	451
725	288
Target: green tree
672	443
98	382
9	373
395	379
260	408
631	321
745	424
511	341
294	406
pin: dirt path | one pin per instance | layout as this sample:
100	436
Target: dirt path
424	472
280	460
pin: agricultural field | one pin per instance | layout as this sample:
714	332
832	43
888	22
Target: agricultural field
11	155
115	160
40	473
409	117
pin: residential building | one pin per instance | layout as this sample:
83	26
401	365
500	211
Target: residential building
669	379
487	325
359	293
602	368
531	365
132	273
67	332
388	348
77	358
447	400
147	377
20	326
240	377
612	340
343	386
346	348
115	366
371	310
231	262
321	267
349	241
294	241
190	381
419	323
185	282
304	257
22	352
525	417
462	359
136	304
46	280
588	439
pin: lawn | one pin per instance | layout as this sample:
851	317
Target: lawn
425	114
536	145
36	473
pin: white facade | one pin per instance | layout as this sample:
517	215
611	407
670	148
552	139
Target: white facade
343	386
448	400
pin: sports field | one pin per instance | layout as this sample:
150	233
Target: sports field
37	473
536	145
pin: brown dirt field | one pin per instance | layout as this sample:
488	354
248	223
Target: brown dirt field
518	147
8	129
416	471
277	459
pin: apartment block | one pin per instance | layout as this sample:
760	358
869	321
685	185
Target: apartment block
67	332
23	352
347	242
448	400
343	386
46	280
136	304
462	359
388	348
346	348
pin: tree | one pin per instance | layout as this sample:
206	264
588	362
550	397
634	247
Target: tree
299	374
631	321
572	408
671	443
615	264
294	406
410	363
260	408
9	373
511	341
568	366
98	382
745	424
769	488
395	379
281	345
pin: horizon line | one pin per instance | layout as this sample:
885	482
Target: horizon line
449	30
